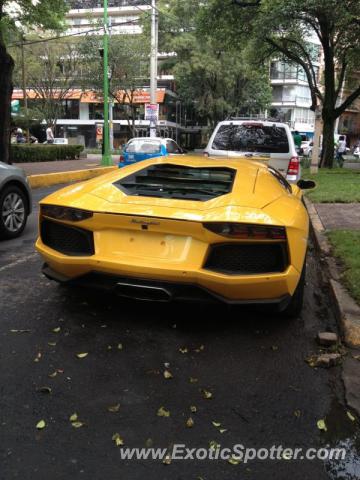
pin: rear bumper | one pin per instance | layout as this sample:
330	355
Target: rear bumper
153	290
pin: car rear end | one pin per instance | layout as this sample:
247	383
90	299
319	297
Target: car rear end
268	142
175	236
139	149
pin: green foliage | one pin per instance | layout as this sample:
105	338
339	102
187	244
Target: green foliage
286	29
44	153
128	65
27	15
346	245
212	76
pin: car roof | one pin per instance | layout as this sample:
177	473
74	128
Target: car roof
266	123
160	139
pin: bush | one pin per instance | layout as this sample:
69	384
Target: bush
44	153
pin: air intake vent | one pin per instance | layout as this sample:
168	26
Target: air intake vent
178	182
247	259
67	239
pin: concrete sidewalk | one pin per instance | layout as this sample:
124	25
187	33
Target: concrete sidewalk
339	216
37	168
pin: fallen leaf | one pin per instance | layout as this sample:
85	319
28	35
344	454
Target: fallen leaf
117	439
274	348
56	330
190	422
207	394
114	408
60	370
77	424
38	357
82	355
109	347
233	461
163	413
168	374
297	413
44	390
216	424
166	364
322	425
120	346
40	425
52	344
213	445
20	331
149	443
200	349
183	350
53	374
167	459
193	409
73	417
193	380
222	430
351	417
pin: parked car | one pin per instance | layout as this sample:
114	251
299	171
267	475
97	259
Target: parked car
269	142
143	148
59	141
181	228
15	201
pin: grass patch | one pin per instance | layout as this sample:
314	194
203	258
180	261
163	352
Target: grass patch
346	247
334	185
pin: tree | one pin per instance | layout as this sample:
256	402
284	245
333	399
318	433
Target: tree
128	68
15	17
283	28
52	70
213	77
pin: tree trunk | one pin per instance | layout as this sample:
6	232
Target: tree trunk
327	156
6	88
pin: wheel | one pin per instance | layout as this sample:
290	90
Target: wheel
13	214
294	308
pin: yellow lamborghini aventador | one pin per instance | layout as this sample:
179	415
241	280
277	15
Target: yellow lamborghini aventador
181	228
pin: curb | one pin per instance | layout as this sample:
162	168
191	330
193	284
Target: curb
48	179
347	310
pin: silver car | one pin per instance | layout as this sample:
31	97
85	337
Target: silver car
15	201
265	141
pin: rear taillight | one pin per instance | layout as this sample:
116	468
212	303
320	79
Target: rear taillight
246	231
293	169
122	159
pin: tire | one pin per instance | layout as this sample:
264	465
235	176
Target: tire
295	305
13	212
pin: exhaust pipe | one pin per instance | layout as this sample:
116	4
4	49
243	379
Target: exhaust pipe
144	293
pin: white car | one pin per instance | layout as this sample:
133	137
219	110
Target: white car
306	147
269	142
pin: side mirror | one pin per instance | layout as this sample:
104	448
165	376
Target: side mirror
183	150
306	184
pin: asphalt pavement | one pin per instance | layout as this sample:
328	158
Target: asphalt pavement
252	364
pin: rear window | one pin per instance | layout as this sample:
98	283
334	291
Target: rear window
144	146
178	182
251	138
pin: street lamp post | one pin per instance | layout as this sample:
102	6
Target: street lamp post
106	157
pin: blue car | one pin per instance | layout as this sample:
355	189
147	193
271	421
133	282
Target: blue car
143	148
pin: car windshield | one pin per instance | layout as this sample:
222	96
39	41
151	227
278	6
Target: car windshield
251	138
143	146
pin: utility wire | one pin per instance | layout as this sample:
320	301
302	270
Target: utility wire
44	40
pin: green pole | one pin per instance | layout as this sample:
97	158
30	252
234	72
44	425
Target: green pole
106	158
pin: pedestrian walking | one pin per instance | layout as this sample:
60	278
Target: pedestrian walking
49	134
297	140
341	149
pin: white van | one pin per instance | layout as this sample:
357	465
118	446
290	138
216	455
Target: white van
269	142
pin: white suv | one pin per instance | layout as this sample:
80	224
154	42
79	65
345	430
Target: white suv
269	142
